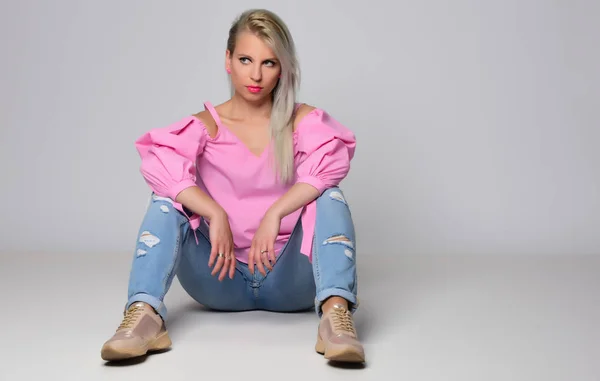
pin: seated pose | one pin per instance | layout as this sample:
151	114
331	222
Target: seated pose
245	206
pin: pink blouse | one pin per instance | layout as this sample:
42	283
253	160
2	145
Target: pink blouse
183	155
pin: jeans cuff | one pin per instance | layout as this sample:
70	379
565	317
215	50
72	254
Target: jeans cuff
156	303
322	295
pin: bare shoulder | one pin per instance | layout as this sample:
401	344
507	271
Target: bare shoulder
302	111
209	122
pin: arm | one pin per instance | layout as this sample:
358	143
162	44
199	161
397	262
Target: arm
168	166
295	198
329	147
168	155
305	190
221	238
326	148
196	200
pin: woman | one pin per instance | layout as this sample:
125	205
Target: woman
245	207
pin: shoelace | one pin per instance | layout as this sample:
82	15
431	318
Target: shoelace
130	317
342	321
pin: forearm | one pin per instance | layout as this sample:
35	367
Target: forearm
297	197
196	200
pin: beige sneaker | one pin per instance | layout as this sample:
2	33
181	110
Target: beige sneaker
142	330
337	338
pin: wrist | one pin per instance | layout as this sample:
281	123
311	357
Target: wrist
274	212
217	212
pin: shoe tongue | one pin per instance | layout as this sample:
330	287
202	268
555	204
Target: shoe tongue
339	307
140	305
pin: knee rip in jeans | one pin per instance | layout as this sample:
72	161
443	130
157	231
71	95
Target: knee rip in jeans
338	196
163	208
148	239
341	239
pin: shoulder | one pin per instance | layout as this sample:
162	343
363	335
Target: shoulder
301	113
314	127
315	120
207	120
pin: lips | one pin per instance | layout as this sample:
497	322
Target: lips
254	89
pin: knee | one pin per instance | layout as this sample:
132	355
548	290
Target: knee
336	214
333	194
163	209
162	224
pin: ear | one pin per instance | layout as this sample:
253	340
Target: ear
228	60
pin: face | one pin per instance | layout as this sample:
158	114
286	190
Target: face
254	67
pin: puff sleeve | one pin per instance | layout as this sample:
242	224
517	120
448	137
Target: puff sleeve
326	148
169	156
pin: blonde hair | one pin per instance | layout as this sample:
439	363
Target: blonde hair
274	32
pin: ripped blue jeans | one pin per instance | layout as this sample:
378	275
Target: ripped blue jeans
167	247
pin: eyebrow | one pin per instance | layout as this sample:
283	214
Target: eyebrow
249	56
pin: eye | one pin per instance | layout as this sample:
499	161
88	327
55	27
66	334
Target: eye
244	60
270	63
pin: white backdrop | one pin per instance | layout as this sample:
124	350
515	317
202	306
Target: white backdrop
477	122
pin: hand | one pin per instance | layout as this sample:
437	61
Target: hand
221	241
261	250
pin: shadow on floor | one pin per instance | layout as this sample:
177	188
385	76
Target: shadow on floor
135	360
388	291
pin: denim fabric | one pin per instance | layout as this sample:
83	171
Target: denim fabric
167	247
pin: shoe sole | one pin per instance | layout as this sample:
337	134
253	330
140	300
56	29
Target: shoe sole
340	353
161	342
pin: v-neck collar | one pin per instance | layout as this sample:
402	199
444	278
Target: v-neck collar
213	112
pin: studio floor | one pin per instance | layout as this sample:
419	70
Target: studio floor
421	318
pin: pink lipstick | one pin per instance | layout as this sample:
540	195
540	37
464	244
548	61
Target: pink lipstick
254	89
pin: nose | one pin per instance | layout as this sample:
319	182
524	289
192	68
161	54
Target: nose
256	74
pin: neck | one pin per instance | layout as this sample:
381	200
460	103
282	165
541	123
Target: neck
239	108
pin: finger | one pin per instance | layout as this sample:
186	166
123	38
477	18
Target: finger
251	259
220	260
213	255
265	259
267	256
259	262
226	263
272	253
226	266
267	262
232	264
